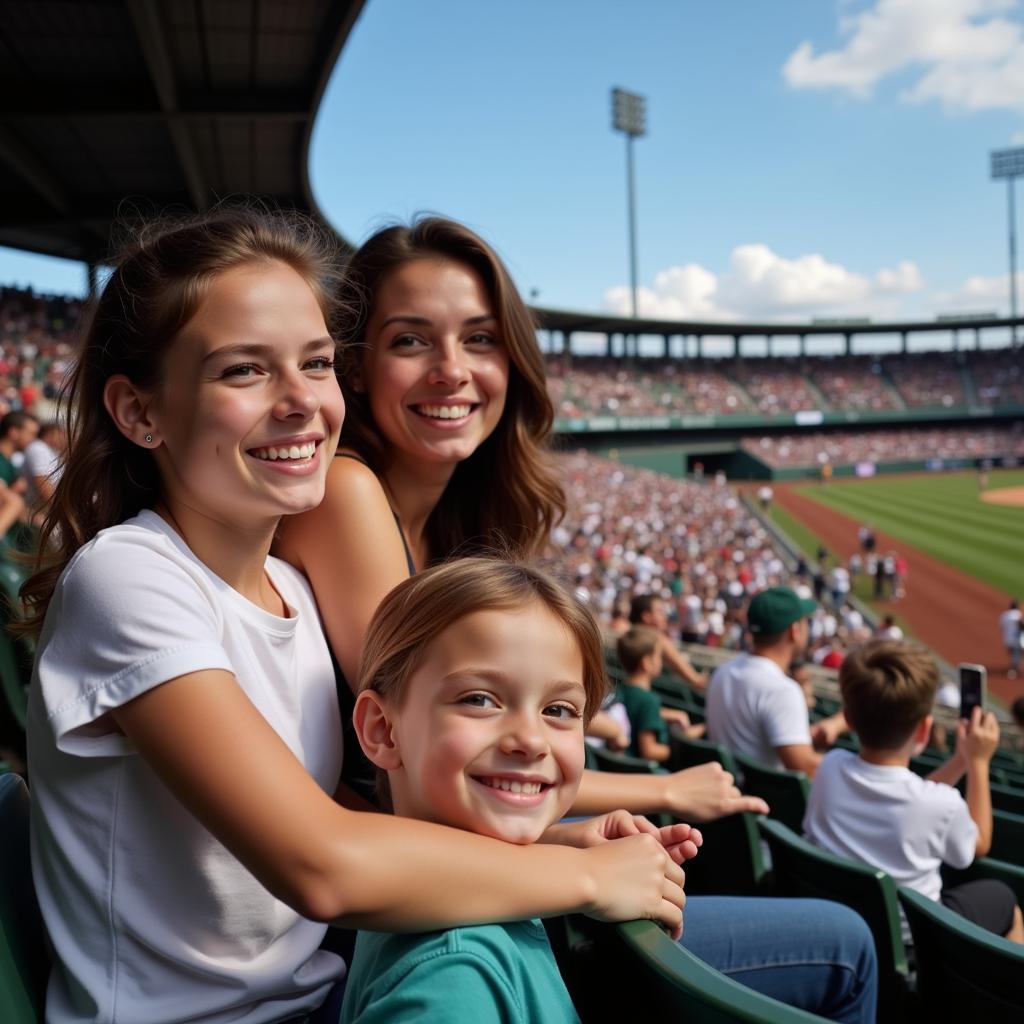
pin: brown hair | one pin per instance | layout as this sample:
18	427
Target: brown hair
506	493
888	687
634	645
423	606
156	287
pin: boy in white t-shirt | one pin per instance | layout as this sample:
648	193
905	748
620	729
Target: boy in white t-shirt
871	807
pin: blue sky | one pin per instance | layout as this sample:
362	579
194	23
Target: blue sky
805	158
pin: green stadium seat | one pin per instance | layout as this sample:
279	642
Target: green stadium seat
802	869
688	753
963	970
1007	837
926	762
731	862
24	961
614	970
608	761
784	791
14	679
987	867
695	711
1005	798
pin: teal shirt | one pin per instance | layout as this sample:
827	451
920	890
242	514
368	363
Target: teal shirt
486	974
644	711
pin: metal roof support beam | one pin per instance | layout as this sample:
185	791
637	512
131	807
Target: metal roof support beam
146	19
20	159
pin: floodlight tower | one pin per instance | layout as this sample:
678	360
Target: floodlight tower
629	116
1009	164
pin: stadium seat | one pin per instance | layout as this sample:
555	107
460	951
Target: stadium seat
608	761
695	711
1007	837
24	961
802	869
1005	798
987	867
614	970
963	970
13	679
669	685
731	862
688	753
785	792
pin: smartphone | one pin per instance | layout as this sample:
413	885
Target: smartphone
972	688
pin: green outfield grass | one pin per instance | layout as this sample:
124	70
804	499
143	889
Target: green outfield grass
943	516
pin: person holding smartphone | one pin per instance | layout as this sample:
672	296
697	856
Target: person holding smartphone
871	807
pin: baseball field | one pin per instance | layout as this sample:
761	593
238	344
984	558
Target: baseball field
964	546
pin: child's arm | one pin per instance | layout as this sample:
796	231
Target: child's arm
951	771
979	739
649	747
703	793
215	751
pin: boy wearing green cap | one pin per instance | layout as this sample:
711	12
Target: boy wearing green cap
752	704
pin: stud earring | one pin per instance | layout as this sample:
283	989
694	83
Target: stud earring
149	439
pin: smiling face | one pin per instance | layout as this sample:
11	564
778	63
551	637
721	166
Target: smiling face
489	736
248	410
437	369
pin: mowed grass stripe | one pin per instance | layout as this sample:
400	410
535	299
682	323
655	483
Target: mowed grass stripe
972	515
982	549
944	517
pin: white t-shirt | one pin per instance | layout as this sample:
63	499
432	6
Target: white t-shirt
153	920
754	707
40	460
1009	625
890	818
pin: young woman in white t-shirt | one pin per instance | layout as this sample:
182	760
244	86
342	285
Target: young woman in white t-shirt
189	837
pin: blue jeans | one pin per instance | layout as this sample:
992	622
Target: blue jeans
813	954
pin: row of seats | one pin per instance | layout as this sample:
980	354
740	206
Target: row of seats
733	862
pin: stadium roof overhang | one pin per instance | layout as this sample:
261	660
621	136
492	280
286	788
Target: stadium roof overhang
570	322
106	105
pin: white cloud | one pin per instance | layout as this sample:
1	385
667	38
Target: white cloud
760	284
981	295
965	54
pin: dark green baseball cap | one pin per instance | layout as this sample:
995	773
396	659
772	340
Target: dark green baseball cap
776	609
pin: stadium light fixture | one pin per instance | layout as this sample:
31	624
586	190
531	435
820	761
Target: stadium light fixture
1009	164
629	116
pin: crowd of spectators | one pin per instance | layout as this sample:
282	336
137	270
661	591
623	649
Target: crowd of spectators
776	386
35	347
998	380
932	381
630	531
654	387
591	386
853	383
913	444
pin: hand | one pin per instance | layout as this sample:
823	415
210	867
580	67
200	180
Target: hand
619	742
636	878
826	731
705	793
977	739
679	841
